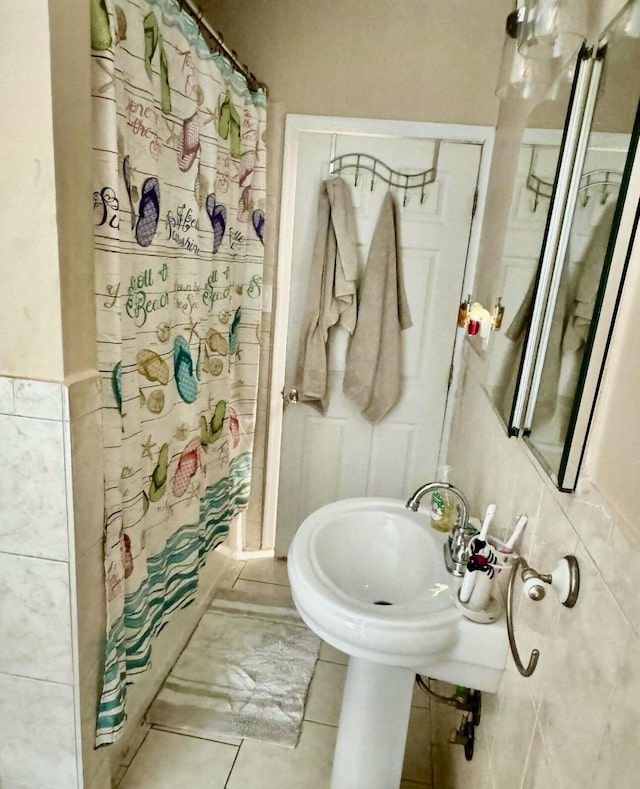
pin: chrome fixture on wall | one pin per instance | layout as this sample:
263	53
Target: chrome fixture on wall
541	37
564	580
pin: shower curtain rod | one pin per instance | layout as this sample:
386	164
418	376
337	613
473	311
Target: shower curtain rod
215	39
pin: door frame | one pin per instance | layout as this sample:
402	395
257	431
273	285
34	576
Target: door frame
294	124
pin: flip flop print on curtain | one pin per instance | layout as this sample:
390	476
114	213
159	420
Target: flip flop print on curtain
234	428
185	378
189	142
159	477
187	467
125	552
121	25
217	214
100	27
149	212
211	431
152	41
257	220
116	385
127	173
233	331
229	124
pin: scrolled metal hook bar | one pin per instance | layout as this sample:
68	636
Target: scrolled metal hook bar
527	670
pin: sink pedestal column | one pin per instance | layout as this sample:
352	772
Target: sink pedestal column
372	732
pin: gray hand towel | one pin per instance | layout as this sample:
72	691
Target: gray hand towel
373	375
331	294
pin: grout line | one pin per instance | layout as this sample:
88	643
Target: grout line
57	683
268	583
5	552
333	662
158	727
321	723
233	764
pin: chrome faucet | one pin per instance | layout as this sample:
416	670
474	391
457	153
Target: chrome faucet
457	548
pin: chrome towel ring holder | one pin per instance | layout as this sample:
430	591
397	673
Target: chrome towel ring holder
565	580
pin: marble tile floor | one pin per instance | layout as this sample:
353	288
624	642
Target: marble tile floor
167	760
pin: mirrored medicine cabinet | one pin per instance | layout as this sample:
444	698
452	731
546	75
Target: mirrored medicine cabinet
572	218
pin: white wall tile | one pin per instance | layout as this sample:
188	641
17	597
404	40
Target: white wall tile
6	396
581	673
513	726
618	761
539	772
573	721
35	618
38	399
37	740
33	504
620	566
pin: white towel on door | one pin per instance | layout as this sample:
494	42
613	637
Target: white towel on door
373	376
331	294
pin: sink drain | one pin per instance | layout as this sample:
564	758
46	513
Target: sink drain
382	602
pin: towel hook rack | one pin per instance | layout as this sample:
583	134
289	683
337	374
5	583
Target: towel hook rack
378	169
565	580
607	179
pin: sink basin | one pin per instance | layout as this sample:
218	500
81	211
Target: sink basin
367	575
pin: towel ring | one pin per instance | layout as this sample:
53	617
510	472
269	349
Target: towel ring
527	670
565	580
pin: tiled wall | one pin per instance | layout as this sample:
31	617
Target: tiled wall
37	662
52	603
574	723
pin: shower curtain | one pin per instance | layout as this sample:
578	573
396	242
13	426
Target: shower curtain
179	177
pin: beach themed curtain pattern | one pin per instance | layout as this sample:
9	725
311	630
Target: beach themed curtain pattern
179	178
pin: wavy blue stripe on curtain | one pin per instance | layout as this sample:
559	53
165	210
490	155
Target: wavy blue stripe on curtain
175	569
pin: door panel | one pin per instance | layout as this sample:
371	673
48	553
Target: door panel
339	455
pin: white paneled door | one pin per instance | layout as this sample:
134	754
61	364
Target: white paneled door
339	454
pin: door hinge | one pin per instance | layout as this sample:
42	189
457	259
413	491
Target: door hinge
475	203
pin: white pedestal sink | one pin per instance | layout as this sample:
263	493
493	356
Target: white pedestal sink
367	576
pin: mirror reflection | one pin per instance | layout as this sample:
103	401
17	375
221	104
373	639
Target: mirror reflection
585	258
581	266
533	186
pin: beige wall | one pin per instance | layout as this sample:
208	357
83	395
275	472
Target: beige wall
30	318
409	60
46	244
613	450
71	85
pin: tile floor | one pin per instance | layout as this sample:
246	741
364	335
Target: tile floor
167	760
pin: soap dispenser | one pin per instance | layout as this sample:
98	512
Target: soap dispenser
443	509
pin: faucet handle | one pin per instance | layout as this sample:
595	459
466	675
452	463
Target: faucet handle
461	542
